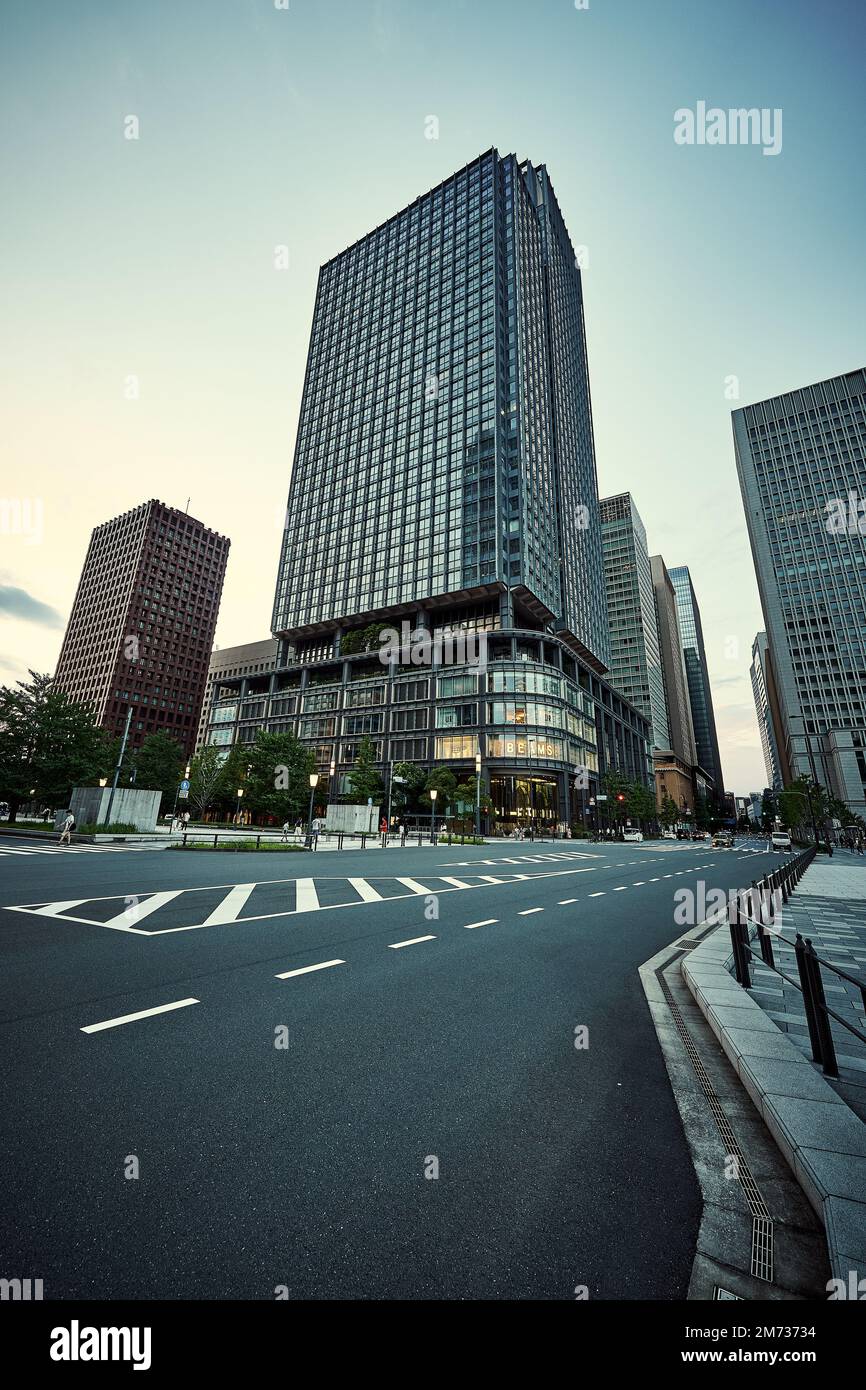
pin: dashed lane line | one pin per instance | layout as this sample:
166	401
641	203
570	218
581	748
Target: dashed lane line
413	941
488	922
309	969
133	1018
530	911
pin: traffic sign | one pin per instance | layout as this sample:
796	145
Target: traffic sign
184	786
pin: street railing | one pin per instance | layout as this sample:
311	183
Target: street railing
760	906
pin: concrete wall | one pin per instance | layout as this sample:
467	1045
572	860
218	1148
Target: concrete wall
131	805
352	819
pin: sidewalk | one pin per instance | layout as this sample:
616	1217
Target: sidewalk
828	907
817	1123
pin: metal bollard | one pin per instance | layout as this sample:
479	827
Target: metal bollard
808	1000
741	957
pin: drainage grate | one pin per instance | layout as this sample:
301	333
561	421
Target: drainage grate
762	1222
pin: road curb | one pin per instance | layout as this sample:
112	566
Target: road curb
819	1136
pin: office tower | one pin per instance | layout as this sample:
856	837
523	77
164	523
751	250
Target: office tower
762	689
635	661
682	737
801	459
698	678
142	624
444	478
676	773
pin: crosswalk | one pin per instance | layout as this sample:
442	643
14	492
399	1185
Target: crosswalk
191	909
77	849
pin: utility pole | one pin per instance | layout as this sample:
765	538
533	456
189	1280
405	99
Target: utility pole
107	820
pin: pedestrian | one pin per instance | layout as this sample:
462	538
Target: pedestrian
285	834
185	819
68	827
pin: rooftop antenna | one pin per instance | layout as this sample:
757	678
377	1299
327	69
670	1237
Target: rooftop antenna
186	508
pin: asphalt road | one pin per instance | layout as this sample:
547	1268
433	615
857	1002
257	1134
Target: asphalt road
303	1165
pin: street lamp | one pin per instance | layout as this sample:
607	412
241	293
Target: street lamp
433	795
314	779
238	811
478	795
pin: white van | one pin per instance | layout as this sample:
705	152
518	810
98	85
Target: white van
780	839
633	836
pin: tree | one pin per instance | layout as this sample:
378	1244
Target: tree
278	782
468	791
640	802
669	813
405	793
206	777
769	810
159	763
703	819
444	782
48	744
364	777
805	806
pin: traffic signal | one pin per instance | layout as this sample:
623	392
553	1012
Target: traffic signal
620	796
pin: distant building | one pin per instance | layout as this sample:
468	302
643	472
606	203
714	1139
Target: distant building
635	660
698	678
142	625
801	460
766	709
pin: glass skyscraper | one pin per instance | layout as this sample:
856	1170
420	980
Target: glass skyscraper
445	438
635	666
762	688
697	676
444	478
801	459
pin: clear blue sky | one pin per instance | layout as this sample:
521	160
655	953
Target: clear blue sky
306	127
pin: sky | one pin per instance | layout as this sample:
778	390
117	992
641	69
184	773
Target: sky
150	346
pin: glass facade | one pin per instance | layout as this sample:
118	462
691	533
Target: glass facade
635	662
697	676
801	459
445	436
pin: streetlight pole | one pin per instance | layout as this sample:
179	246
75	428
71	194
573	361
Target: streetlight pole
107	820
433	795
238	809
314	778
478	795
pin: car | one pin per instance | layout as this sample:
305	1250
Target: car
723	839
633	836
781	840
669	834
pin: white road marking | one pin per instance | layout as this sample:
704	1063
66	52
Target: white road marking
131	1018
307	899
414	885
652	880
621	888
528	911
596	895
563	902
413	941
457	882
56	908
308	969
488	922
228	909
639	884
134	912
366	890
488	878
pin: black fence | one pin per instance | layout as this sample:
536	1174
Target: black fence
760	906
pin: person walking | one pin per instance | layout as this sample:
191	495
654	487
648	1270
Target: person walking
68	827
285	835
